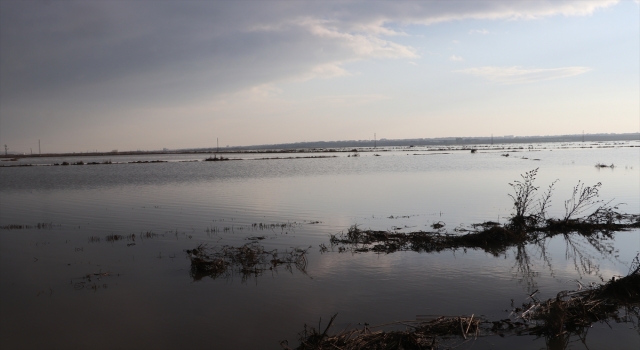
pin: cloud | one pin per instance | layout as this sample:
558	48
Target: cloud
323	71
456	58
479	31
412	63
70	62
216	47
519	75
352	100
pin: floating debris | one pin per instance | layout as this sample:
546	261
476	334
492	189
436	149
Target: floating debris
92	281
256	238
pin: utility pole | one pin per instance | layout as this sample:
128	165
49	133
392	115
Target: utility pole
374	140
217	146
39	152
5	149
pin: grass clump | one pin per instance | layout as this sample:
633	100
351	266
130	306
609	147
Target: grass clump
573	312
40	226
570	313
493	239
249	260
114	238
416	335
529	223
215	158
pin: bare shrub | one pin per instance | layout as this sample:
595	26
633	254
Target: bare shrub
582	199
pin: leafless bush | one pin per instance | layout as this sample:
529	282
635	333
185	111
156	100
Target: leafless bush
582	199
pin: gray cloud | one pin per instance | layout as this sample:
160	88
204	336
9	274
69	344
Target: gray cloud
100	55
216	46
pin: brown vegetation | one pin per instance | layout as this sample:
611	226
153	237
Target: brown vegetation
557	319
249	260
528	224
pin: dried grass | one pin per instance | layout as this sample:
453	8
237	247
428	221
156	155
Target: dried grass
249	260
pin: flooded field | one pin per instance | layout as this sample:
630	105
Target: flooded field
172	251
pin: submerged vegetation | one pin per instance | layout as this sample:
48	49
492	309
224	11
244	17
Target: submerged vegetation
215	158
257	227
130	237
40	226
249	260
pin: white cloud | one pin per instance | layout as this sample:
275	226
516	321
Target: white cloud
323	71
364	46
519	75
456	58
455	42
352	100
479	31
265	90
412	63
376	28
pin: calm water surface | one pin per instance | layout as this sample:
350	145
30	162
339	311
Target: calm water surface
148	300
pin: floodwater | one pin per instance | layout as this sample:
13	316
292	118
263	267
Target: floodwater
140	293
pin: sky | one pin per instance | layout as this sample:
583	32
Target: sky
145	75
